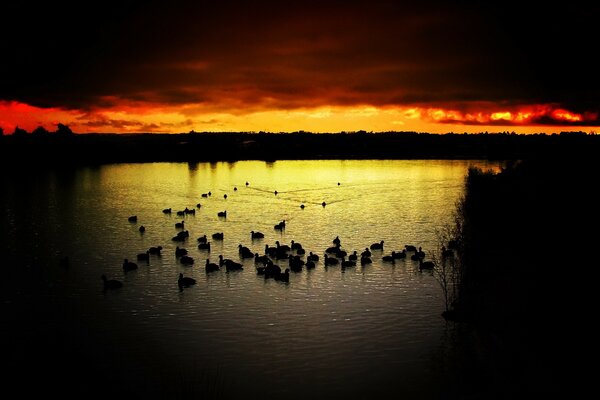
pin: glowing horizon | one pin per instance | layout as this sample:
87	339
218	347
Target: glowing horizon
143	118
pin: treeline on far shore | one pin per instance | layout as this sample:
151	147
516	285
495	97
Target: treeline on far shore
71	148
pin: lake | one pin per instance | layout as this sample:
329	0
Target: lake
330	332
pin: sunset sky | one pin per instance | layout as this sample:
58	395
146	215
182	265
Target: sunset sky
283	66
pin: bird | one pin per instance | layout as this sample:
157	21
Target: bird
390	258
186	260
111	284
256	235
425	264
222	214
377	246
283	276
180	224
142	229
167	211
185	281
128	265
144	256
210	267
218	236
132	218
180	251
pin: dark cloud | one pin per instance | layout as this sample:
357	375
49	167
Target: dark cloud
231	56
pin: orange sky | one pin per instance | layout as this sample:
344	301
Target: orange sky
324	66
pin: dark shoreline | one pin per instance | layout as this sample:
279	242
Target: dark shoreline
94	149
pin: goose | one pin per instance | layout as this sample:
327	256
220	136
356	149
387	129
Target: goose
257	235
204	246
348	263
210	267
312	257
179	251
258	259
111	284
331	260
128	265
390	258
377	246
283	276
426	264
447	252
399	254
282	247
245	252
185	281
186	260
144	256
155	250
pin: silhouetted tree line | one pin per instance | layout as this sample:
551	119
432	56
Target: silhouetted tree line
65	147
528	278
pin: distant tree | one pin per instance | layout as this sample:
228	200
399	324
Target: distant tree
40	132
19	132
63	130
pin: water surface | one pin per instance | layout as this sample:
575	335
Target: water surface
330	332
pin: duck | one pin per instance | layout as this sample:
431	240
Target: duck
222	214
218	236
348	263
202	239
245	252
180	225
142	229
353	256
204	246
166	211
185	281
132	218
111	284
366	253
256	235
365	260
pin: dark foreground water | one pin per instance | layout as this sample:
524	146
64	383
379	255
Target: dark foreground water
360	332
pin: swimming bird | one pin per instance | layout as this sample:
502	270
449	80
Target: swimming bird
365	260
377	246
203	239
111	284
283	276
128	265
218	236
144	256
142	229
222	214
185	281
426	264
155	250
186	260
312	257
180	251
180	225
331	260
132	218
366	253
204	246
399	254
389	258
210	267
167	211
